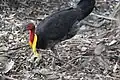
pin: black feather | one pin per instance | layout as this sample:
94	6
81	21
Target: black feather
59	25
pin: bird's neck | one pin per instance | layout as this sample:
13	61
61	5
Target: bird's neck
31	36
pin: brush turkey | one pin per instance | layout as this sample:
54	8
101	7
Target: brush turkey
58	26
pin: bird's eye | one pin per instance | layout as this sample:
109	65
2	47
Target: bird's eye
28	27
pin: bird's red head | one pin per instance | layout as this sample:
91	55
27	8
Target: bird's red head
30	26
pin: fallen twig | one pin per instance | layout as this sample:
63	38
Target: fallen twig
94	25
105	17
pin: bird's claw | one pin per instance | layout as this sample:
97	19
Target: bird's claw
35	59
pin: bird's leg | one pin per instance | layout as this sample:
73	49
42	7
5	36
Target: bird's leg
73	31
55	53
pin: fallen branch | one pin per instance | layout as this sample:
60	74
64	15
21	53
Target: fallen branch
105	17
94	25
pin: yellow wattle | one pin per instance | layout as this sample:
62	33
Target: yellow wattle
34	43
33	46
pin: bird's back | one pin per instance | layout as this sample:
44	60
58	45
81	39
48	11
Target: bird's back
59	24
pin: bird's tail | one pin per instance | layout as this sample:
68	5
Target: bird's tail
85	7
83	4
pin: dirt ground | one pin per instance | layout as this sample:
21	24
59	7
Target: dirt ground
93	54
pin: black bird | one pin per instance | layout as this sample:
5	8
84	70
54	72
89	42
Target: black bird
58	27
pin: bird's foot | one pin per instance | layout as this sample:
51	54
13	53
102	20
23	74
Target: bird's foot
35	58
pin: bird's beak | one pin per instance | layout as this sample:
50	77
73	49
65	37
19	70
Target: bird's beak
24	28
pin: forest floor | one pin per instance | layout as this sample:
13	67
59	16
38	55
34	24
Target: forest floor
93	54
